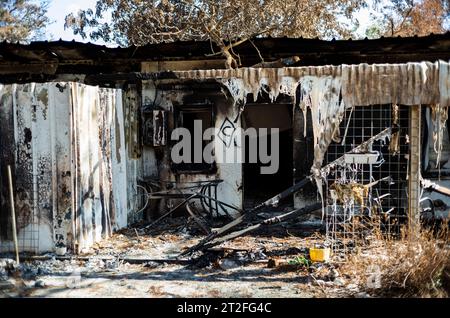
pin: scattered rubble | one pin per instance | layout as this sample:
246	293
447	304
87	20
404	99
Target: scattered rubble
264	266
208	274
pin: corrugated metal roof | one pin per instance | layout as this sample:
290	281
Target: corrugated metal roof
362	84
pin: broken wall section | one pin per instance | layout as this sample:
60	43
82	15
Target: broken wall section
169	97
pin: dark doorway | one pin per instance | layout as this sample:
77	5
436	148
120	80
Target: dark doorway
260	187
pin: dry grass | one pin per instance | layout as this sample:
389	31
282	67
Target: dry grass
414	266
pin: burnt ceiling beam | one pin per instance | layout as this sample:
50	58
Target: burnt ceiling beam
88	58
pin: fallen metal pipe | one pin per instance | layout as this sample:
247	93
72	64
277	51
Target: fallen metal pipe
170	211
286	193
126	259
197	219
431	186
267	222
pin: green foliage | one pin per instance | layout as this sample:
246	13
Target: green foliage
374	31
300	261
154	21
22	20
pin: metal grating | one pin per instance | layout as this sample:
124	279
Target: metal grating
345	226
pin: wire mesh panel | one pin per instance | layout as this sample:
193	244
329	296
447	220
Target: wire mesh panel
28	237
360	195
28	218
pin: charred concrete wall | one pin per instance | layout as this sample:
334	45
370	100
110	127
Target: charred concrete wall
156	161
65	143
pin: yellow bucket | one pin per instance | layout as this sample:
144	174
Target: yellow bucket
319	254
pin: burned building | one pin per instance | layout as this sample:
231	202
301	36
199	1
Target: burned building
87	132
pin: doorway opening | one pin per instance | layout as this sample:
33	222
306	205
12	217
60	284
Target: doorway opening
260	187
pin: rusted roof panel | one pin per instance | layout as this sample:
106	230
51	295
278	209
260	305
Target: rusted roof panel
362	84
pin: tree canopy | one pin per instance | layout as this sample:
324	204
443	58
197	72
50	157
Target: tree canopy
410	18
22	20
228	23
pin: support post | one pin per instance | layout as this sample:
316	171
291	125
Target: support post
414	168
13	214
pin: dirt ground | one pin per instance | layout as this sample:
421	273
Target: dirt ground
143	265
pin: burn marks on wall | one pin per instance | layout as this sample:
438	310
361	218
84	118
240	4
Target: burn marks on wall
42	128
6	157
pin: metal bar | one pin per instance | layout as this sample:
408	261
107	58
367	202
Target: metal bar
414	168
196	196
221	203
13	213
266	222
431	186
170	212
202	201
196	219
210	201
215	196
125	259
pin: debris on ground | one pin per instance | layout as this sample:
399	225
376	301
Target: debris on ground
275	265
103	271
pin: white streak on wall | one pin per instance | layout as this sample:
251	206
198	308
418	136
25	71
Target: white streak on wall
439	116
59	105
101	162
321	95
119	160
444	83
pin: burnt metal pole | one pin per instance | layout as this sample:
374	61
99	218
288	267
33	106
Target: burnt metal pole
13	213
267	222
